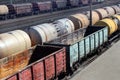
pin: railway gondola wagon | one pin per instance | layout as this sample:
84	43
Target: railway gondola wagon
80	44
48	62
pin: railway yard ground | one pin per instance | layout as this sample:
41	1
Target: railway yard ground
105	67
70	43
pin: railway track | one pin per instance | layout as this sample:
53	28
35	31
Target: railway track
22	23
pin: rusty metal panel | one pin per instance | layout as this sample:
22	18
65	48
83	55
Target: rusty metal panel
50	67
38	71
25	74
60	62
12	78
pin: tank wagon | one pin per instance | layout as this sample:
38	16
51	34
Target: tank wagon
113	23
13	51
18	10
74	35
49	31
46	32
14	42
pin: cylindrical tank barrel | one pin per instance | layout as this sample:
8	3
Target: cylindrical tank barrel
50	31
111	24
95	16
110	11
116	8
64	26
37	35
22	38
42	33
3	9
118	20
79	20
102	13
13	42
117	16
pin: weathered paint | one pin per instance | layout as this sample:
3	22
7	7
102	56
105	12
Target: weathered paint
92	42
87	45
101	37
81	49
105	34
73	54
96	40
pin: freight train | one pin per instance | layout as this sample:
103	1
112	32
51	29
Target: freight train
77	39
15	10
63	56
